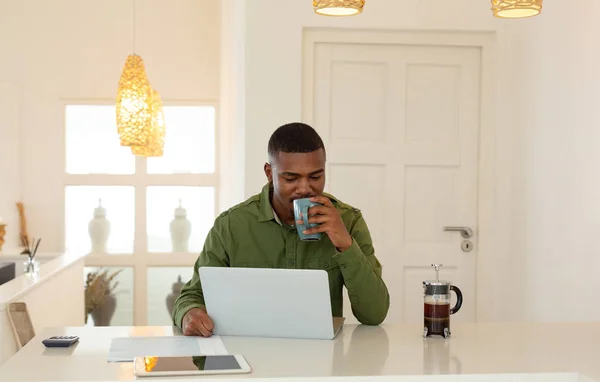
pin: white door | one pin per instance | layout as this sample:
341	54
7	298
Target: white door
401	126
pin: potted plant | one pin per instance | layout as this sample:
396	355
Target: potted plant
100	301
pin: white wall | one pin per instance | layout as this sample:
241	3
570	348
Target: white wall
547	158
75	50
232	117
10	174
10	177
559	158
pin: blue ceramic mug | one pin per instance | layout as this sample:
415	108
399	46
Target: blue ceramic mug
301	207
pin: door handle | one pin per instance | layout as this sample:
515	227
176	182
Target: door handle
466	232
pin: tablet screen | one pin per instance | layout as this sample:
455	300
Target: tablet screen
191	363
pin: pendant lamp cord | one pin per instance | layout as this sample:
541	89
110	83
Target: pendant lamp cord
133	2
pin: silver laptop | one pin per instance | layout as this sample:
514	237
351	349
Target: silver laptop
257	302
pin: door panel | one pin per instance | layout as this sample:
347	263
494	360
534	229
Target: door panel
401	128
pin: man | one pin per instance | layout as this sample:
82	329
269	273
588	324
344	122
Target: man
260	232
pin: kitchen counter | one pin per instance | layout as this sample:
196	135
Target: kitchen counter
54	295
510	351
49	265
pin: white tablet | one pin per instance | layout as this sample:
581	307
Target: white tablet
190	365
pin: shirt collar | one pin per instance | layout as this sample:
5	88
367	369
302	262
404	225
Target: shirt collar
266	212
276	217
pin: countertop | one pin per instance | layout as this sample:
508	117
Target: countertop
509	351
51	263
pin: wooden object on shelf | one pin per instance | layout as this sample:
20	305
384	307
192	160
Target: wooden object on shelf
23	235
2	234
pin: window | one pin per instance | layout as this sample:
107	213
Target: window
162	200
140	198
191	150
92	143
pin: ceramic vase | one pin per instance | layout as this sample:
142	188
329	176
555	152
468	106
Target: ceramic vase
99	229
103	314
181	230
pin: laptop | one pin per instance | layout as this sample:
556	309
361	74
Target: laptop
259	302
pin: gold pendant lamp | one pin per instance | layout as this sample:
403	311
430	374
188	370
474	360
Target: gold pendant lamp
514	9
338	7
134	103
140	120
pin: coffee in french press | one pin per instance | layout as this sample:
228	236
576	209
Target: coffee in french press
437	311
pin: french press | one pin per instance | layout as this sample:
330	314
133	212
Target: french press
436	295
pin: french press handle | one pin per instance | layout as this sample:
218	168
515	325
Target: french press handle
459	299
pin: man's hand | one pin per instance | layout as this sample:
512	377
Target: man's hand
197	323
330	221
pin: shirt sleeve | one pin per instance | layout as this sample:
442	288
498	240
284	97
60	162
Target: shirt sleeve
362	274
213	254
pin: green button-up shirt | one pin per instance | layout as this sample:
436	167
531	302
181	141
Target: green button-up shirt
249	235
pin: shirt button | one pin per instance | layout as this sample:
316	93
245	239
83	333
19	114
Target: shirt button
343	266
291	262
326	265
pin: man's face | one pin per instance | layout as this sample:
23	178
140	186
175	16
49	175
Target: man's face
296	176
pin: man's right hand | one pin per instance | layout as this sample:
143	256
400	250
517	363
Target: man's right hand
197	323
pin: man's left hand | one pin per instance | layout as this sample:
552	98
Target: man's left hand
330	222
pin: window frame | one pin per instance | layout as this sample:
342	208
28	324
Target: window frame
141	259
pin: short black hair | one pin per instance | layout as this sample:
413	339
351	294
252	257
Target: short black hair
295	137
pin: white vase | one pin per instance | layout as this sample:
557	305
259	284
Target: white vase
181	230
99	229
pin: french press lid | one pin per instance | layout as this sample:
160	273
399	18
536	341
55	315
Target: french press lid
436	286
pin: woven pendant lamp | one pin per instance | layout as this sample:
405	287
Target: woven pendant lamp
514	9
338	7
156	129
134	103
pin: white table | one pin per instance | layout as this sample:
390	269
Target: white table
357	351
